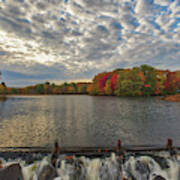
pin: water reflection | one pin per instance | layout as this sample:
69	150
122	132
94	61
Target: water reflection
87	121
3	98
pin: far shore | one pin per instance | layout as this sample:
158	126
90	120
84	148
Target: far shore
172	98
42	94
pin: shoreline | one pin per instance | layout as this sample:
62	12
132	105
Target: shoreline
168	98
172	98
101	95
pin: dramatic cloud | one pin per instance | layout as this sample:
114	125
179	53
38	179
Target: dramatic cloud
61	40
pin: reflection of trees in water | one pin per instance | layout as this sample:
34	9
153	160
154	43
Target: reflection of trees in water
3	98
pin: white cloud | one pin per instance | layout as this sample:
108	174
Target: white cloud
144	7
77	39
163	2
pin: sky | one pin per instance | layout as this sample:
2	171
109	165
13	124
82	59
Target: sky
73	40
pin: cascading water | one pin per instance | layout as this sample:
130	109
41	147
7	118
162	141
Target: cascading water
151	166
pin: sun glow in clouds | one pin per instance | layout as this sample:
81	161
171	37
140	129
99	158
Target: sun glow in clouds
77	39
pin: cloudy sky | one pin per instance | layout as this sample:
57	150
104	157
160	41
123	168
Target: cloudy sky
61	40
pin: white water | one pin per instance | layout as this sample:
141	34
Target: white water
143	167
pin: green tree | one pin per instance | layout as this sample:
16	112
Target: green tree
108	90
125	88
150	82
75	87
39	89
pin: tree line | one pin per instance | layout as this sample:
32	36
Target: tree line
47	88
137	81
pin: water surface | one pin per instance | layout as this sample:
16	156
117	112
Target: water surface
87	121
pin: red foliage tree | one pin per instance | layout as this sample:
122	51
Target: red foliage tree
102	81
171	82
114	82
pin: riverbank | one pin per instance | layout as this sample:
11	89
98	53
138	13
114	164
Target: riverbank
173	98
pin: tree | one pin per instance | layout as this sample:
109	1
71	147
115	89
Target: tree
102	82
55	90
75	87
82	88
125	88
71	89
3	87
39	89
47	83
160	79
64	88
171	83
150	80
114	82
92	90
47	88
3	84
99	82
107	89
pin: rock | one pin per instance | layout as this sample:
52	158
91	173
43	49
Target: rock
142	167
12	172
161	161
159	178
47	173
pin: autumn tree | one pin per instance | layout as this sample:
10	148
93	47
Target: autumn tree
150	80
114	82
108	89
171	83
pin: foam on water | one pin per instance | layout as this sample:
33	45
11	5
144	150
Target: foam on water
133	167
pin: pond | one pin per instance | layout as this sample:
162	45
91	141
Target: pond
81	120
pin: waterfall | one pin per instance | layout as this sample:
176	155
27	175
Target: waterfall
134	167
